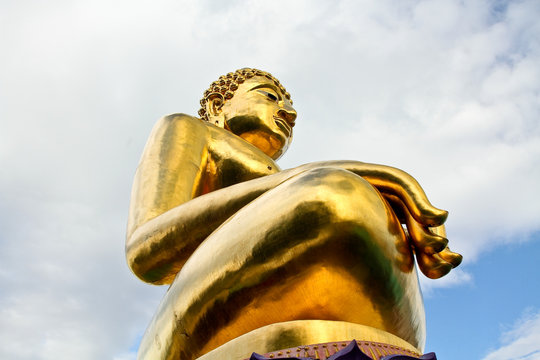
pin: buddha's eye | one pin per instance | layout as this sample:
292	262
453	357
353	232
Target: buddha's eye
269	95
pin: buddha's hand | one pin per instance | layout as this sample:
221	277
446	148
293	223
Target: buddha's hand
424	221
429	243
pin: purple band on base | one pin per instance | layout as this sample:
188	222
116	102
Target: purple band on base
351	350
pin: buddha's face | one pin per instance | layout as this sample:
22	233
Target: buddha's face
260	114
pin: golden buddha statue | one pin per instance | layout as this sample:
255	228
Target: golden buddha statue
262	259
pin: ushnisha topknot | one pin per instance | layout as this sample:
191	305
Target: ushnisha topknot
226	85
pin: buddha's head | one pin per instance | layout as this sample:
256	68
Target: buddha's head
251	104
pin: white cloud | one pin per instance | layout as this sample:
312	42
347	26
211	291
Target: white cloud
457	277
445	90
126	356
522	341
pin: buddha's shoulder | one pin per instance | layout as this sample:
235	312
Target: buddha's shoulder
187	123
181	119
180	123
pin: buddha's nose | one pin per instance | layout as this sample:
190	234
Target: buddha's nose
287	113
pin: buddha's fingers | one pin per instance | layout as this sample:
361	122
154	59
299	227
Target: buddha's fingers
446	254
398	182
433	266
437	265
430	245
422	238
451	257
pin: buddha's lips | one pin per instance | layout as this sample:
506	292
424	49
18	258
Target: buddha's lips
283	125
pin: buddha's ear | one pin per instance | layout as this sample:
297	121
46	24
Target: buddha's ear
214	104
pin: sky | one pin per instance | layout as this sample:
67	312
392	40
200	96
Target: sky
446	90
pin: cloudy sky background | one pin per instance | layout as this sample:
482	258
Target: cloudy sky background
446	90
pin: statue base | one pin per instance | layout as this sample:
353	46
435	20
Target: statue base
289	339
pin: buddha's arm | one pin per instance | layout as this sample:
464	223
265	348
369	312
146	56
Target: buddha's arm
158	249
168	219
173	161
424	221
394	181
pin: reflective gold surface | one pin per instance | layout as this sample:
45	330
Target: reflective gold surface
245	245
290	334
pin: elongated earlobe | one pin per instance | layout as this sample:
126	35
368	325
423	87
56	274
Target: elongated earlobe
214	105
